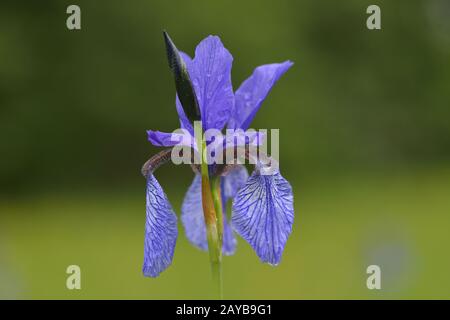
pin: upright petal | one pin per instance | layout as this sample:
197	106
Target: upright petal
253	91
160	230
194	221
263	214
210	72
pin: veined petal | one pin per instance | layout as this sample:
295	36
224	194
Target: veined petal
263	214
160	230
233	181
253	91
210	72
194	222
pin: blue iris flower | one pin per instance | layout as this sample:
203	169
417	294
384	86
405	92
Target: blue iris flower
262	205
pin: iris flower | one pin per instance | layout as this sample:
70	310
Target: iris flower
262	205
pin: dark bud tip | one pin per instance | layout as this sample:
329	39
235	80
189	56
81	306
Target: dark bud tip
183	84
172	53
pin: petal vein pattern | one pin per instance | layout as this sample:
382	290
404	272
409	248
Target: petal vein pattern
263	214
160	230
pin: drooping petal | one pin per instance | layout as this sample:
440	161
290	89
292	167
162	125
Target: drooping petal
263	214
210	72
253	91
230	185
160	230
194	222
192	215
166	139
229	240
233	181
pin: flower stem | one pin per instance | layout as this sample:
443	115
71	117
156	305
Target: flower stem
213	234
217	199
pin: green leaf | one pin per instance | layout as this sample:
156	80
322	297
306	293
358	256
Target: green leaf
183	84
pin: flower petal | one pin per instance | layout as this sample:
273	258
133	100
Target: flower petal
230	185
160	230
253	91
234	139
263	214
233	181
166	139
184	121
229	240
210	72
192	215
194	221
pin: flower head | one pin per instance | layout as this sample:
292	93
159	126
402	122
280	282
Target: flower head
262	210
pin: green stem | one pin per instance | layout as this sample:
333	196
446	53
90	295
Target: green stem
213	228
217	199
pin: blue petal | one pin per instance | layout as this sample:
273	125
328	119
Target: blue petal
184	121
160	139
229	241
210	72
253	91
263	214
166	139
192	215
194	222
160	230
235	139
233	181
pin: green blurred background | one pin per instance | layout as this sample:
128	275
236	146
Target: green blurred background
364	120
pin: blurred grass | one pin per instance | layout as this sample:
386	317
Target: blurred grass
365	141
398	221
